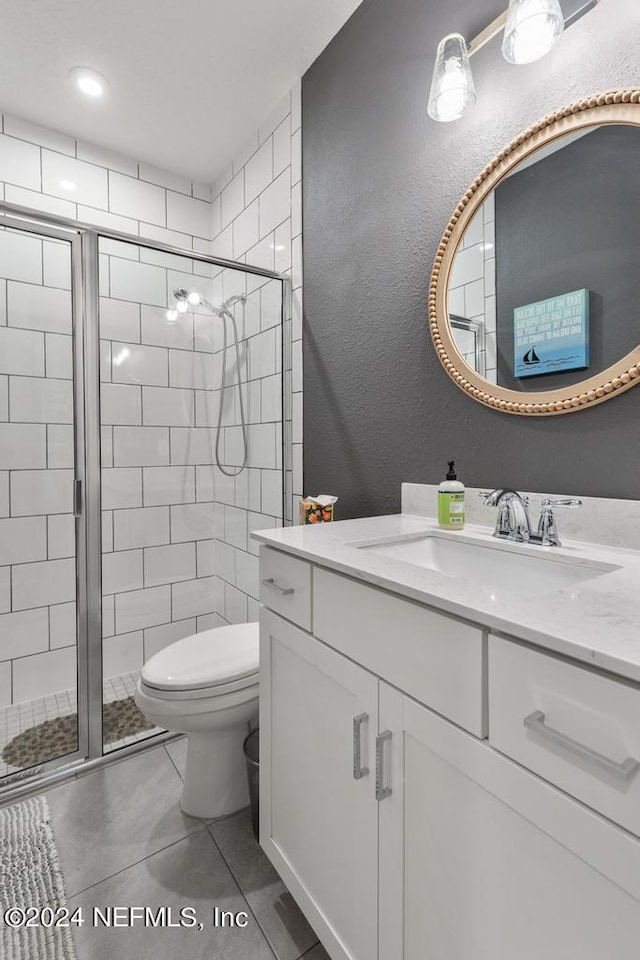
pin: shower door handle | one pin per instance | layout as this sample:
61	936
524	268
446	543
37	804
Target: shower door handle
77	498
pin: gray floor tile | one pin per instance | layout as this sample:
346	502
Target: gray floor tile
177	750
276	911
190	873
114	817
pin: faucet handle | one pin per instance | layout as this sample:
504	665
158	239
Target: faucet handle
547	533
561	503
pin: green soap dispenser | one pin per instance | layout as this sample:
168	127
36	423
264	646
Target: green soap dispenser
451	501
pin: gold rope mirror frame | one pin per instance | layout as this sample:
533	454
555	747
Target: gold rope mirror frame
613	107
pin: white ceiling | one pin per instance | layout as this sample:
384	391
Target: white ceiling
191	80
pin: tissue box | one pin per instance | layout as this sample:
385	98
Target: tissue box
312	512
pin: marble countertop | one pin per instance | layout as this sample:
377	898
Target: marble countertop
596	621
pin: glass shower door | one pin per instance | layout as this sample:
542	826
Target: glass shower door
188	469
40	455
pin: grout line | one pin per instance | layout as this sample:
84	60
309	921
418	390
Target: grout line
136	863
173	761
237	882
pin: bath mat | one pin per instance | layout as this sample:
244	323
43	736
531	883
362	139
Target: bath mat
30	876
55	738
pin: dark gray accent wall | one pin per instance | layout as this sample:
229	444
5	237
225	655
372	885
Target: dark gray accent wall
572	222
380	181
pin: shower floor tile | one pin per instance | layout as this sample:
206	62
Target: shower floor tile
20	717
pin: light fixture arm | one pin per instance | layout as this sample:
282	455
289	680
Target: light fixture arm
490	31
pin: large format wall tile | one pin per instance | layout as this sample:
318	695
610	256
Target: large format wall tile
166	485
21	352
42	584
19	163
40	400
90	181
140	446
145	527
38	308
24	633
169	564
142	608
139	364
38	675
23	540
21	257
41	491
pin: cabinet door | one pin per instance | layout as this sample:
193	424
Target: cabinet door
496	864
318	821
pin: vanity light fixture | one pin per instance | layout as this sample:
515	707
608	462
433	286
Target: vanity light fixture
531	28
452	90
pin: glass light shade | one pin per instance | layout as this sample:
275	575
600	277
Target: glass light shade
182	306
194	299
533	27
452	90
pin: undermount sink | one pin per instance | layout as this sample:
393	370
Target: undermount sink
502	566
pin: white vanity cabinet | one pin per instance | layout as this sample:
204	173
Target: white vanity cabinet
318	822
482	860
399	828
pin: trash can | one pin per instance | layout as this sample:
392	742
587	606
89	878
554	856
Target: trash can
251	748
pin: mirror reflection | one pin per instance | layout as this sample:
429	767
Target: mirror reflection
544	289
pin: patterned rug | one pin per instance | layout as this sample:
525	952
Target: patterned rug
30	876
55	738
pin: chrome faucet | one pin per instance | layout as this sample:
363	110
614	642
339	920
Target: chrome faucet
513	521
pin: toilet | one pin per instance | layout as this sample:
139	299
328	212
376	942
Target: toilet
206	685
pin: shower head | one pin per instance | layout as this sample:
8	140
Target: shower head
184	299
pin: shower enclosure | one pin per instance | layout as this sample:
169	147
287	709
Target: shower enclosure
140	444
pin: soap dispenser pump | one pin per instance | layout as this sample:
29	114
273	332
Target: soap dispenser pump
451	501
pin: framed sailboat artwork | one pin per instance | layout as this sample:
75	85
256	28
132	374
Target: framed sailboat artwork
551	335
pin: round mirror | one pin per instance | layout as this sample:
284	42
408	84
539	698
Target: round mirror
535	293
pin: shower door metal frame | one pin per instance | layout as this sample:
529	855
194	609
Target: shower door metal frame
85	238
78	325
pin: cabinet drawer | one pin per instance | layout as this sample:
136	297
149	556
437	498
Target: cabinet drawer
436	659
582	729
285	586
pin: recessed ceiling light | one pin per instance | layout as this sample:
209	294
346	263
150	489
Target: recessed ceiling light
89	82
68	185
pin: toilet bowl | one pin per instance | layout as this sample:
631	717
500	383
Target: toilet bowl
206	685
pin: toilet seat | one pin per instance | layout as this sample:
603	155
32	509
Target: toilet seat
209	664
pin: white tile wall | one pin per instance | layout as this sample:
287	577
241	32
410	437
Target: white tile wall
21	257
472	288
256	216
160	393
38	307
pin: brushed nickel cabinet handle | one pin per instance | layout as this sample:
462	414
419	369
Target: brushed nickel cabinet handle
283	591
382	792
358	770
623	771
